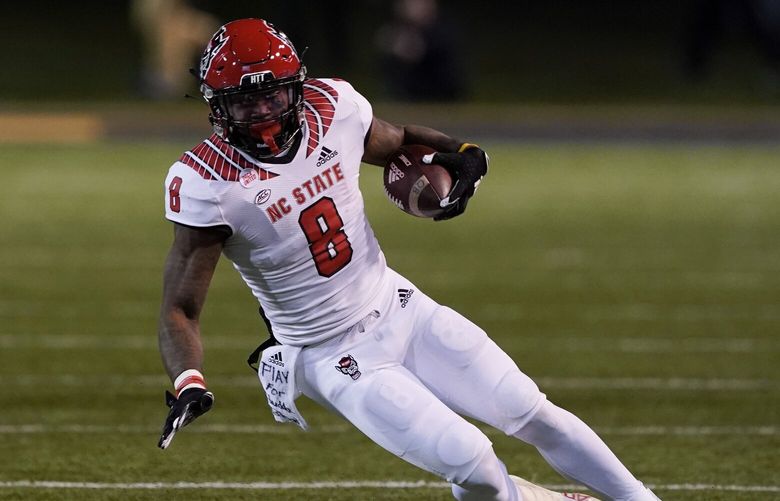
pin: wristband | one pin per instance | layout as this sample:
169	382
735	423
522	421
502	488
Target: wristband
190	378
467	146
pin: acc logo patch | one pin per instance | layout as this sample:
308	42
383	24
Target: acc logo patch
349	366
262	196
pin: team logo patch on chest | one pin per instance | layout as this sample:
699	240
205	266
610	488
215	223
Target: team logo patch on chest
349	366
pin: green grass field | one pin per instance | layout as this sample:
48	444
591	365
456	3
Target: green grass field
639	285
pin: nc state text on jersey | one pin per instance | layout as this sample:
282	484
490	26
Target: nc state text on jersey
305	192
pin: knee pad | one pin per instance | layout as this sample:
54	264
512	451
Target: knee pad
517	396
393	406
454	336
391	401
412	424
460	449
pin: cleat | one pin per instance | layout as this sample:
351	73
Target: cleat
533	492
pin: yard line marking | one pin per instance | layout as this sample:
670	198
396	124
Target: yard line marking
48	484
546	382
604	344
688	430
648	430
210	428
641	312
558	343
586	313
347	484
112	342
651	383
715	487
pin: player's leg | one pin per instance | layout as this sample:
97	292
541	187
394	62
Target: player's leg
576	452
390	405
470	373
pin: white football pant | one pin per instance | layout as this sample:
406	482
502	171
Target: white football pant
405	375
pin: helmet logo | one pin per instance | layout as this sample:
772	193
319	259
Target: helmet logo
281	36
217	42
256	78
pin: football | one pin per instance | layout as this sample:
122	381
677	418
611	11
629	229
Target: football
416	188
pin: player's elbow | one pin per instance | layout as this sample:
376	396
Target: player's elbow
178	316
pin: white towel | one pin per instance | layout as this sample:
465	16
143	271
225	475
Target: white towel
277	375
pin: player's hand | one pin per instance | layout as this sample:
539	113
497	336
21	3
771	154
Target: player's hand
192	403
467	167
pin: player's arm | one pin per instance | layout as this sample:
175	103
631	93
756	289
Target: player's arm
189	267
384	138
467	162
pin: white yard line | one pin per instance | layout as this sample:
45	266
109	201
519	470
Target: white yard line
114	341
593	312
692	431
45	484
126	429
638	312
545	382
238	429
715	487
543	342
353	484
652	383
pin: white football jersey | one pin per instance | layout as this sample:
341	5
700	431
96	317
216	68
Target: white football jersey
301	239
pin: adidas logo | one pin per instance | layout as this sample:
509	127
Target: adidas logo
395	174
276	359
325	155
404	295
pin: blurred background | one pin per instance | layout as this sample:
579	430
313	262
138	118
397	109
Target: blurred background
624	248
674	69
565	51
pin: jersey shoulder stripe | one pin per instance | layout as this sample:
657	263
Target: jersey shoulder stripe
197	165
215	159
320	101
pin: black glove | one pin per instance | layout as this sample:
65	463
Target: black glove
467	167
191	403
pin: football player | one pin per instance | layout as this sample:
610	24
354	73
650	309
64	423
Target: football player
275	189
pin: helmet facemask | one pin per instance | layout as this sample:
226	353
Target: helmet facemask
260	119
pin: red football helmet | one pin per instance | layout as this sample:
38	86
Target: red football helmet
252	78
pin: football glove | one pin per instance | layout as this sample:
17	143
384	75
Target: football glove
192	403
468	166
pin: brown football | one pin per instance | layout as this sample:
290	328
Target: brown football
416	188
